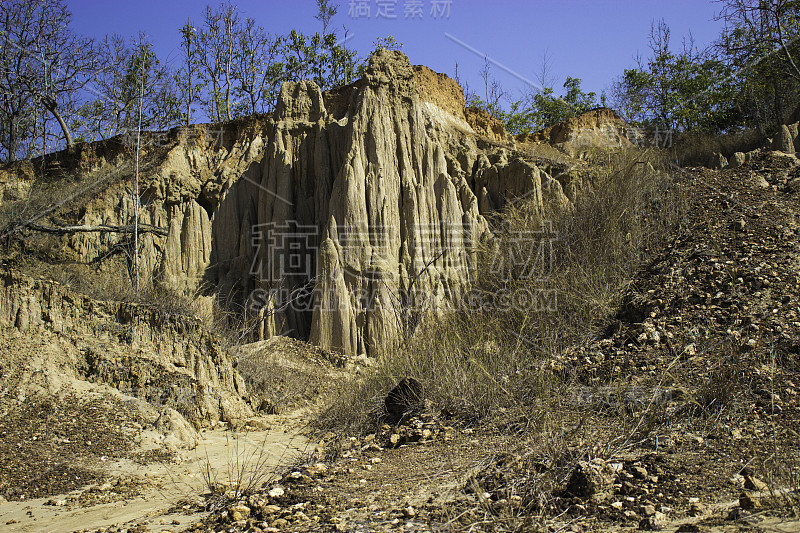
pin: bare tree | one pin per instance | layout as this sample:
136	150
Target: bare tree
16	101
126	68
545	77
659	67
492	89
185	78
255	67
42	65
110	110
216	41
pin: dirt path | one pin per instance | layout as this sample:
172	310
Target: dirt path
153	494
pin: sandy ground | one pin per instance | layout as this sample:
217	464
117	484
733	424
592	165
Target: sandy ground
163	487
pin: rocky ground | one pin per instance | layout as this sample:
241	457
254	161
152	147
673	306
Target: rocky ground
681	414
49	444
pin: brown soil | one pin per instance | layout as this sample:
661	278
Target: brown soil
686	405
485	124
440	89
55	445
688	399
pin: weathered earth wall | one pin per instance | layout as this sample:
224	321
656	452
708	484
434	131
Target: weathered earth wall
330	215
165	360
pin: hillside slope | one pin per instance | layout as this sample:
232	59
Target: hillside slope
680	415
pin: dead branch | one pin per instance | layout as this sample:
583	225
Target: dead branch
99	228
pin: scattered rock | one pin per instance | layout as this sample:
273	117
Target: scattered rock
267	407
761	182
753	483
698	509
749	501
718	161
653	523
317	469
178	433
406	398
649	510
589	479
737	513
783	141
297	477
276	491
280	524
271	510
239	512
737	160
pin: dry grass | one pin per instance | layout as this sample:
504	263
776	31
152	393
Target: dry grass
697	148
487	356
283	374
247	470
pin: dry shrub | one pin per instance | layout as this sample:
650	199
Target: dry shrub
250	465
727	382
488	353
282	374
697	148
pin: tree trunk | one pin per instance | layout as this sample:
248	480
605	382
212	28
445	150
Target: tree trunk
99	228
217	97
228	100
12	139
52	106
778	102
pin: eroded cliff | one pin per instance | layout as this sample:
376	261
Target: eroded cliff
54	337
331	218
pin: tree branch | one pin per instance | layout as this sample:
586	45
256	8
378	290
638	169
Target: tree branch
99	228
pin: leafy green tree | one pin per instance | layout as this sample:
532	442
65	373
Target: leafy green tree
541	109
629	95
682	90
760	42
319	58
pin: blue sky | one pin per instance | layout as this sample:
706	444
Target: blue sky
594	40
